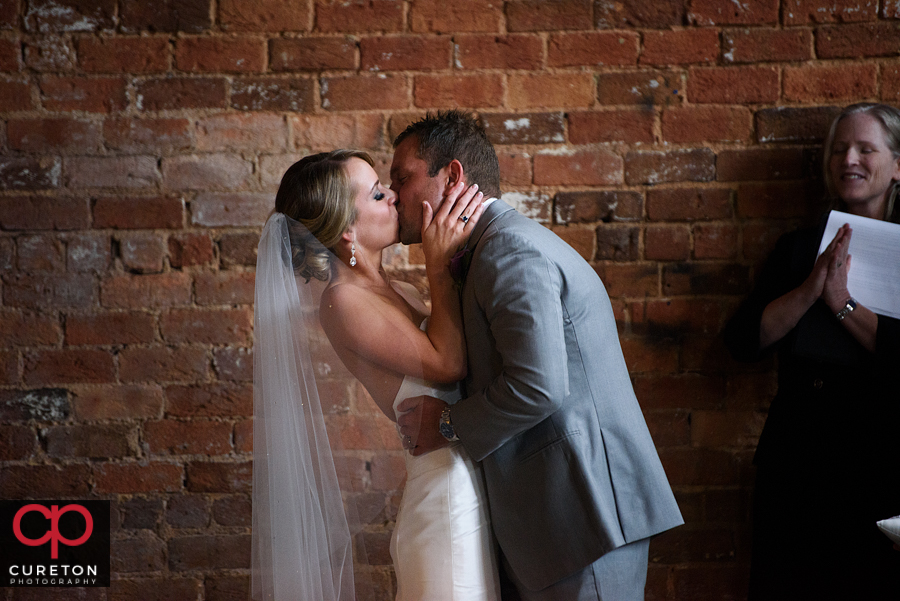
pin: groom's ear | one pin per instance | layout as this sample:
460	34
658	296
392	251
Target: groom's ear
454	173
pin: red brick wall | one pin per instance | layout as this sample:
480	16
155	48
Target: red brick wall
669	141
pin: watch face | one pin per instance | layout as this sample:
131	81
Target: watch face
447	430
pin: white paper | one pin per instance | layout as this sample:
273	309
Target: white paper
891	528
874	277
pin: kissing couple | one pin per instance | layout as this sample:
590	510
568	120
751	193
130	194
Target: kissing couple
531	473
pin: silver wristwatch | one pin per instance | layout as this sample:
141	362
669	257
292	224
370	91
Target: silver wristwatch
446	427
847	310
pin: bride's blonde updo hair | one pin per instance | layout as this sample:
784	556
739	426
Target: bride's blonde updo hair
317	192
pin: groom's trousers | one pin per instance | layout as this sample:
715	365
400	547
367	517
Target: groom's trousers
619	575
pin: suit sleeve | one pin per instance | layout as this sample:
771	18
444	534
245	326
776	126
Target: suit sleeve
519	292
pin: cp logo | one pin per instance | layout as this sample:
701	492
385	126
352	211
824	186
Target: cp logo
53	534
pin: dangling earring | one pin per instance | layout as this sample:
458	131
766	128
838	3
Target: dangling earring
353	254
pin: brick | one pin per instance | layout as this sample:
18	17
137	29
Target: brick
388	471
234	364
150	291
204	171
272	94
524	128
535	15
44	481
232	511
221	551
751	391
676	317
40	253
123	54
59	366
187	250
71	291
762	44
706	124
9	367
112	172
230	588
9	15
163	364
187	511
264	15
705	278
209	326
830	82
181	93
88	94
137	478
224	288
856	41
403	53
462	16
507	52
432	91
709	583
88	253
148	134
156	589
582	240
699	467
243	436
648	88
679	47
534	205
48	135
242	132
629	279
16	96
19	442
630	126
890	84
734	85
577	167
43	213
761	164
594	206
10	51
609	14
107	328
143	554
321	132
117	401
209	401
56	16
211	477
139	513
220	55
715	241
124	212
29	173
801	12
729	429
795	124
91	440
188	16
240	210
667	243
709	544
142	253
601	48
618	243
359	16
669	429
50	54
515	168
195	437
643	355
774	200
654	167
312	54
238	249
365	92
760	238
725	12
538	90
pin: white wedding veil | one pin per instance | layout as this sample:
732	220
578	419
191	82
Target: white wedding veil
302	539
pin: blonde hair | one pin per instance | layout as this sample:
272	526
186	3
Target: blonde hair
889	119
317	192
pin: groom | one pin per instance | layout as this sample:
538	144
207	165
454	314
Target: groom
574	483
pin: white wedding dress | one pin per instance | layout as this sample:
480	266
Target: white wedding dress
443	548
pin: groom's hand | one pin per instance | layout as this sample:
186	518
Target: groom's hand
419	420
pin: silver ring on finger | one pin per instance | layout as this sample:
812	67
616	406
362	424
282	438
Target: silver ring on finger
407	441
464	218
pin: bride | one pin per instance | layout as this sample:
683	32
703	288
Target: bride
333	219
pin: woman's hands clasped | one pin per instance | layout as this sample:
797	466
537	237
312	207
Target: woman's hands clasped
445	231
828	279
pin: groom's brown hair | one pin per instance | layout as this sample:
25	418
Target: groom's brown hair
448	135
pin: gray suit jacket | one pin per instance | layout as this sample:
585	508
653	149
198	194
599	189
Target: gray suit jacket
570	467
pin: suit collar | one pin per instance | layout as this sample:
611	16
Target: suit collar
491	213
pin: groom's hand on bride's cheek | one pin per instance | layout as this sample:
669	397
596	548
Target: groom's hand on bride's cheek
420	421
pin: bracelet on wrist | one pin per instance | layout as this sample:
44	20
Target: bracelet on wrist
849	307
